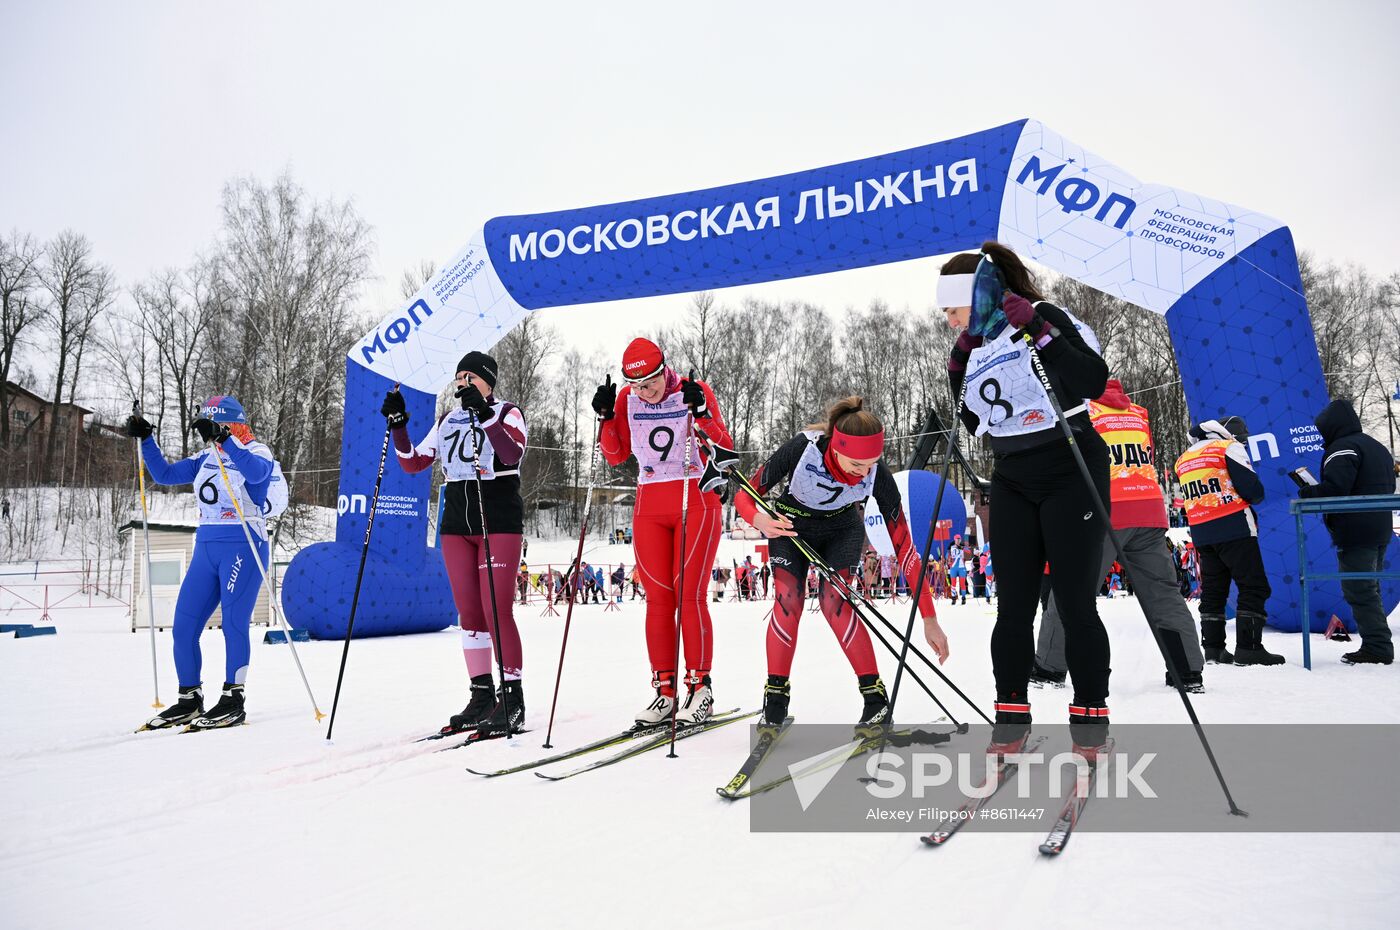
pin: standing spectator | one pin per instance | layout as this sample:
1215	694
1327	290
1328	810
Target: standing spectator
957	571
5	508
936	572
1219	486
637	583
764	573
522	581
1355	464
619	578
600	585
887	575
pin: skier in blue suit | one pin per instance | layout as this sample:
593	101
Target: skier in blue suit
222	572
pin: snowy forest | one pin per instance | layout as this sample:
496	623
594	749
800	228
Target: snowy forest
267	309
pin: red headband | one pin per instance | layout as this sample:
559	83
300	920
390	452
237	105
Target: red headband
858	447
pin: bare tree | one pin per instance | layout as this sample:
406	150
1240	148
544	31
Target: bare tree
175	310
79	289
289	271
413	279
19	308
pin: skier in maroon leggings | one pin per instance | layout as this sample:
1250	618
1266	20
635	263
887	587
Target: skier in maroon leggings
488	434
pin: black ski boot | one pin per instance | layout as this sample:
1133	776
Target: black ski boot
1042	677
1362	657
1213	640
228	712
185	710
876	712
776	695
508	716
1191	681
1088	728
477	709
1249	642
1013	723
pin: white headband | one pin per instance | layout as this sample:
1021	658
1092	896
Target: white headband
955	290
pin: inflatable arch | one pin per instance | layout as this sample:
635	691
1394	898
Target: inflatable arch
1226	279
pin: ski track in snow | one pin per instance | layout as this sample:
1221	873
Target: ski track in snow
268	826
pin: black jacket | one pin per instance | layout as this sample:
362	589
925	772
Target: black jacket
1352	464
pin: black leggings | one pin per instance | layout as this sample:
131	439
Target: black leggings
1042	509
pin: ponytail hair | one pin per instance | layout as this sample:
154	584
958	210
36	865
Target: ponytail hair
850	417
1019	279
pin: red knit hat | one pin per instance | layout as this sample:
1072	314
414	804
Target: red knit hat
642	360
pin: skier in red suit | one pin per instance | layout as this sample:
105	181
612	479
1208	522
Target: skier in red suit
648	419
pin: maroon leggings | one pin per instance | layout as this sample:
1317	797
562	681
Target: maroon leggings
465	558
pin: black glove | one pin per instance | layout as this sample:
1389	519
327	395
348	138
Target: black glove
472	400
605	400
694	397
395	410
210	431
137	427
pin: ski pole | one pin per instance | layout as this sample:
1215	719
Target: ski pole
271	594
146	536
359	576
578	558
1103	513
478	438
680	578
928	546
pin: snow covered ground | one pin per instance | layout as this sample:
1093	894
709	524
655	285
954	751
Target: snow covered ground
268	826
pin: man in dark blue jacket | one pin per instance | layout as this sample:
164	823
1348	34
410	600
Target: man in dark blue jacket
1355	464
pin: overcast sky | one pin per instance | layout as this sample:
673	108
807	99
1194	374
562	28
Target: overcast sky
123	120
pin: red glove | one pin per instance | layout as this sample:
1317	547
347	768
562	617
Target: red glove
957	361
1021	314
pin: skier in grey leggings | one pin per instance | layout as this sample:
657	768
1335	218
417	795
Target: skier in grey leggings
1139	515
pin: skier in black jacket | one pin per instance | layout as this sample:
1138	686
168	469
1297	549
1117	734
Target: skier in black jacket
1042	509
1355	464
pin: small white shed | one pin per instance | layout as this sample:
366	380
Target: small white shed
172	546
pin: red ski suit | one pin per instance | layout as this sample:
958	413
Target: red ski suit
656	521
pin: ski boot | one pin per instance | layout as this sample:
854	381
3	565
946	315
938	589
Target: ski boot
228	712
876	713
1013	723
1192	681
660	707
1249	641
478	708
1042	677
1213	640
776	695
1088	729
1362	657
699	700
508	716
185	710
